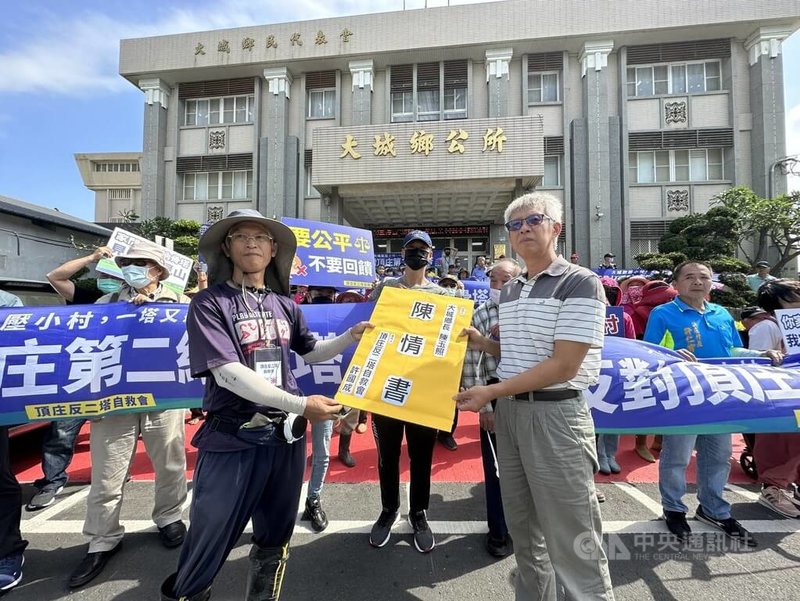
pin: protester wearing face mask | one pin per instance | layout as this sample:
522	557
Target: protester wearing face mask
114	437
58	445
417	253
322	295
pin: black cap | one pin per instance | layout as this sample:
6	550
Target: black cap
749	312
608	256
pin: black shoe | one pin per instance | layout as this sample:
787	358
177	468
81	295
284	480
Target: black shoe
91	566
729	526
168	591
677	524
423	537
344	451
447	440
172	535
315	513
382	528
499	547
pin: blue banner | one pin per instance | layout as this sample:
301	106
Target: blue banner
477	291
618	274
91	360
331	255
325	321
644	388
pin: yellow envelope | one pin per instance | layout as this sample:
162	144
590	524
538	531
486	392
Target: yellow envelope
409	366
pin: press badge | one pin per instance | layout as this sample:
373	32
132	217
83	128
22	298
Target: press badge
267	363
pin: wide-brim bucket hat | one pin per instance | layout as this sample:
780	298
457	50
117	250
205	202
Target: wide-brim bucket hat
150	252
220	267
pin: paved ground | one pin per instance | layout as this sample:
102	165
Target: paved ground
339	564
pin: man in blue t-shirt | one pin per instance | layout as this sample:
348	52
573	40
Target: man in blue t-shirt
695	328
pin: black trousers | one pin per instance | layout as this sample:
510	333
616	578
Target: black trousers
494	501
262	483
11	541
388	434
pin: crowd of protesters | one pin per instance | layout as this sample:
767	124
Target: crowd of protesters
249	466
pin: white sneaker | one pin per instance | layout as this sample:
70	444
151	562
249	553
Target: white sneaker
775	499
794	495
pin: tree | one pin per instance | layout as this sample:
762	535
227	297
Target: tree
183	232
709	237
128	215
766	221
702	236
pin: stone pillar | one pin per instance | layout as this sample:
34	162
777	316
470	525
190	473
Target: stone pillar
362	74
768	139
497	78
595	205
156	103
272	180
499	236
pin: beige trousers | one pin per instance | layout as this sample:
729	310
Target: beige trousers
113	444
547	460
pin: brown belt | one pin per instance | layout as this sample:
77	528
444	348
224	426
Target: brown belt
548	395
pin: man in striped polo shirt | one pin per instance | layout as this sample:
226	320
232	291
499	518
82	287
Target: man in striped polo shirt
551	333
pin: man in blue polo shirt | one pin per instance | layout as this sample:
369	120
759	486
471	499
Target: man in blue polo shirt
696	328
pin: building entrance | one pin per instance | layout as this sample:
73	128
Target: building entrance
469	242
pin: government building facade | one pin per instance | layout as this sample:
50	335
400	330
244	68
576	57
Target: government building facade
633	112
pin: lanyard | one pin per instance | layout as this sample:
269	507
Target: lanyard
258	312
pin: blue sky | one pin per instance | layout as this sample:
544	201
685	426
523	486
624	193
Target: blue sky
60	93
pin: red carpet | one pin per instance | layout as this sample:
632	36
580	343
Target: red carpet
462	465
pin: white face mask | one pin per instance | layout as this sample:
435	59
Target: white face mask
494	295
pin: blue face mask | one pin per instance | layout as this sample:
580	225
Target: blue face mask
136	276
108	286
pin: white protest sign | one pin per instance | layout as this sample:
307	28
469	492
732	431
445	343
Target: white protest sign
120	242
789	323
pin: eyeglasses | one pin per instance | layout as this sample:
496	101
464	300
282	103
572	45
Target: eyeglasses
245	239
532	220
448	284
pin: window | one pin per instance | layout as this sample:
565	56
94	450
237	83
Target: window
120	194
116	167
402	107
321	104
217	185
311	191
542	87
440	92
214	111
455	103
676	166
428	105
674	78
552	172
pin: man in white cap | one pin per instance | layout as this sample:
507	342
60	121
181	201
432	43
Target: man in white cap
114	437
241	329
